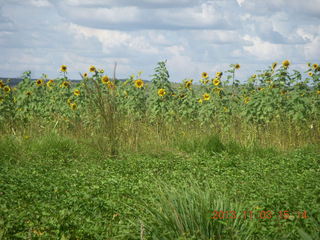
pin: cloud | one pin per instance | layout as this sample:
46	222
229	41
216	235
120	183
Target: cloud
136	3
130	17
193	35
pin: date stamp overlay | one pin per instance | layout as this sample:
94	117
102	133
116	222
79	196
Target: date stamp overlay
250	215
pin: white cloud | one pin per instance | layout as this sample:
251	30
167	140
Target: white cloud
263	50
193	35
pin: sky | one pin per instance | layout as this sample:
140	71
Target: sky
194	36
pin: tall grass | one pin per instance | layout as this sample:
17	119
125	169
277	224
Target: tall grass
186	213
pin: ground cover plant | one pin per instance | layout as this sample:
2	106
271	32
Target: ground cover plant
107	159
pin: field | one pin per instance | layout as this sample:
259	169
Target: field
106	159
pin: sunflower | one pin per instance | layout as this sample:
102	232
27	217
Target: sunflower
105	79
237	66
161	92
206	96
310	74
92	69
315	66
101	71
50	83
200	100
1	84
111	85
218	74
1	99
309	64
217	90
69	101
318	92
216	81
6	89
205	75
188	84
274	65
63	68
246	100
28	93
138	83
260	88
285	63
39	82
65	84
76	92
73	106
85	75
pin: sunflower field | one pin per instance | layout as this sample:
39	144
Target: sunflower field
103	158
269	99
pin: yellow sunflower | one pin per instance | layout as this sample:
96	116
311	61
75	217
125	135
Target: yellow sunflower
237	66
105	79
310	74
63	68
6	89
111	85
76	92
309	64
92	68
216	81
200	100
318	92
39	82
65	84
101	71
254	76
206	96
218	74
138	83
73	106
1	99
315	66
246	100
161	92
28	93
50	83
1	84
274	65
85	75
205	75
285	63
188	84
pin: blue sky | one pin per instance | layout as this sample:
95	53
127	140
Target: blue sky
193	35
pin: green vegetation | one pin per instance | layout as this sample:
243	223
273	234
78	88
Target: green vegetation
103	159
55	187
